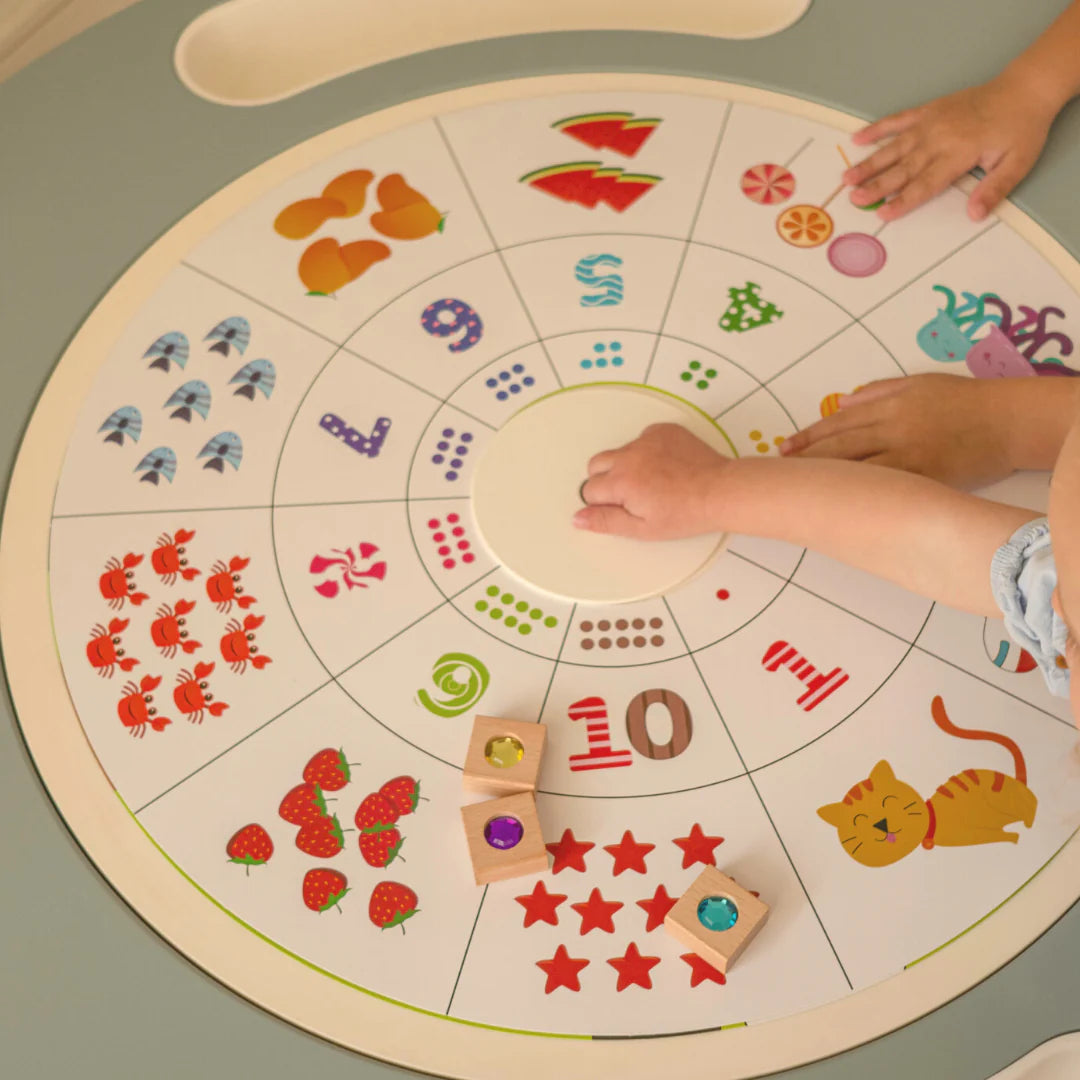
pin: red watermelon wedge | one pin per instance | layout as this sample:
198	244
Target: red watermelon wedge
630	139
627	189
572	182
593	129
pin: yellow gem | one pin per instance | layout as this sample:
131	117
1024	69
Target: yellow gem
504	752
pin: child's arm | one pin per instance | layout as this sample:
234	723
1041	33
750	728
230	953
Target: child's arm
1000	126
911	530
961	431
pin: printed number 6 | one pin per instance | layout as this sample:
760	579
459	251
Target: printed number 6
447	317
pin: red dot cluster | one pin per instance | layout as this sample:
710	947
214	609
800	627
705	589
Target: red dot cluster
448	543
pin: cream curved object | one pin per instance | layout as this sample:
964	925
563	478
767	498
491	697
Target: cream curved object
282	982
253	52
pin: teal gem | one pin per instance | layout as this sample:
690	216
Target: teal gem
717	913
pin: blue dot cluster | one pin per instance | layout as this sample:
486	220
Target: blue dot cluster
504	377
602	360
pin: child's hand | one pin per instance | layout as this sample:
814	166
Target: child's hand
656	488
1000	126
946	427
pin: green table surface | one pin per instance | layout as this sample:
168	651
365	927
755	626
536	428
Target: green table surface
101	149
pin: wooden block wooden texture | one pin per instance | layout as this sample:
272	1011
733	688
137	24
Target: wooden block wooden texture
528	856
489	778
721	948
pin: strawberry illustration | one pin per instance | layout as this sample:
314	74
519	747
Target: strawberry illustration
403	792
381	848
322	838
328	769
251	846
323	889
376	813
303	804
391	904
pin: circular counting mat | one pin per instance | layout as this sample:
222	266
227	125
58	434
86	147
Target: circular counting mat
256	614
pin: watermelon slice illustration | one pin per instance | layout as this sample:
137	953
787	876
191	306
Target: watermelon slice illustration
618	131
627	189
572	182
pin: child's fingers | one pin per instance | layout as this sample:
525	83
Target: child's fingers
601	463
872	391
887	125
924	186
602	490
996	185
890	182
613	520
853	445
876	163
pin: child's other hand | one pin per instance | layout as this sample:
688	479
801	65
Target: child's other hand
945	427
1000	126
657	487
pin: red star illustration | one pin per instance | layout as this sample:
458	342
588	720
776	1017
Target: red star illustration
701	970
657	908
540	905
596	913
569	853
633	968
697	847
561	970
628	854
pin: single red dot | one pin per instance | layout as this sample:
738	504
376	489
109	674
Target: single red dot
468	558
433	523
444	550
459	531
463	545
453	518
449	564
722	594
439	537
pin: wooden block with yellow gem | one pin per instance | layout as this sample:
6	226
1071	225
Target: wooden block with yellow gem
503	756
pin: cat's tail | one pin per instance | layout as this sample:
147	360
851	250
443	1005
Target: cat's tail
937	710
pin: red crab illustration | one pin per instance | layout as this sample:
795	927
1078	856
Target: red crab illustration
135	709
118	581
191	697
168	629
223	586
238	645
102	649
168	558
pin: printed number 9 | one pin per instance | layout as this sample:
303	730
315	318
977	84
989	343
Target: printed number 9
447	317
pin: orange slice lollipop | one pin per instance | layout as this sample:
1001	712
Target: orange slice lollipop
804	226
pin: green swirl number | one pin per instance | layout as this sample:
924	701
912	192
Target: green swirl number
461	680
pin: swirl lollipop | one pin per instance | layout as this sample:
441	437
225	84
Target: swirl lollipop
461	681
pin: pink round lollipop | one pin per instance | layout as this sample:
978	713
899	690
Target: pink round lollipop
857	254
768	184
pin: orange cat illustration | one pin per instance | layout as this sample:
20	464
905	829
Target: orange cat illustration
882	819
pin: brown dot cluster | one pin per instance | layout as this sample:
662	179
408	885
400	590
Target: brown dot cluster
624	633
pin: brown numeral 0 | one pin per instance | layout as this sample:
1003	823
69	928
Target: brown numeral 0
682	728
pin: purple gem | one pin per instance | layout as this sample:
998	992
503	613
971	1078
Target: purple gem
504	832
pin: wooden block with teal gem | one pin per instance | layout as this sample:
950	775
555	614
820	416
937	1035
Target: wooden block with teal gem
716	918
503	756
504	838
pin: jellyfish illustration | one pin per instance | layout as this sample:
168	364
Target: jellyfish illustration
227	446
169	349
193	396
125	422
234	332
256	375
160	462
951	332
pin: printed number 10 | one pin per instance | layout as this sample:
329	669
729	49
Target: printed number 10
600	755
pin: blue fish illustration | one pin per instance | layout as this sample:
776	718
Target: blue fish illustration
160	462
611	284
226	446
193	396
124	422
255	375
233	332
169	349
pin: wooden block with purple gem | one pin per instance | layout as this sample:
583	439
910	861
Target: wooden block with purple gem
503	756
716	918
504	838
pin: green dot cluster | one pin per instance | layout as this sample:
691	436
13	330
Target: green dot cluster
693	368
509	605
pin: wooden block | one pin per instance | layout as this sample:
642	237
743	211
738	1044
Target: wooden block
721	948
492	766
493	863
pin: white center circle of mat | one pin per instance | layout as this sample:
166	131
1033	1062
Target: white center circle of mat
526	489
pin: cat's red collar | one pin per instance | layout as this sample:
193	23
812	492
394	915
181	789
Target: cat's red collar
928	839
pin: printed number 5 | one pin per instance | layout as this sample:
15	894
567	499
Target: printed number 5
447	317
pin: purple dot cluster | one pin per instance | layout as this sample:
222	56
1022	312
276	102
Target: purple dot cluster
504	377
443	448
